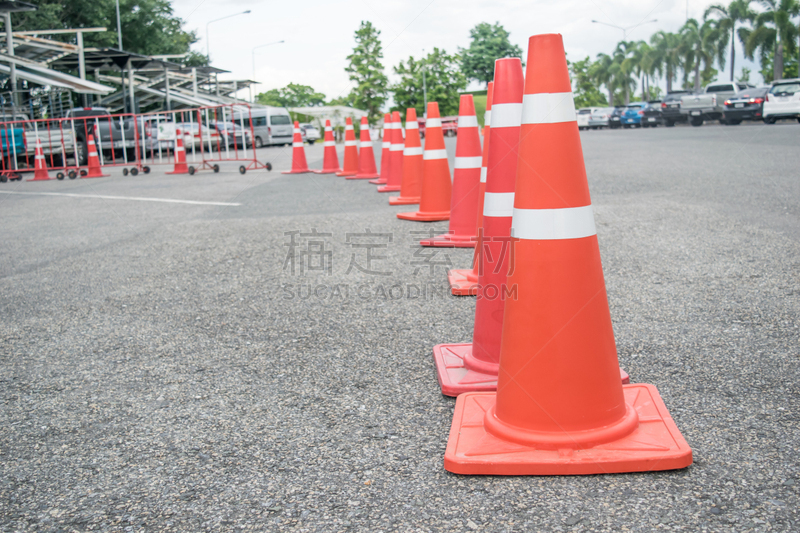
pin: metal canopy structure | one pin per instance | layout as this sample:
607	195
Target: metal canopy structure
40	75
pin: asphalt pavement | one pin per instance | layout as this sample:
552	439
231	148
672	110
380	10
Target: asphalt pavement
235	352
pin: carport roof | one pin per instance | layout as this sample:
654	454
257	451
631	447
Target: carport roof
110	58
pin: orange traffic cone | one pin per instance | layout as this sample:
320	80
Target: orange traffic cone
330	161
462	232
39	165
180	156
464	282
366	157
93	170
560	407
385	146
395	157
350	150
434	202
299	165
411	184
473	366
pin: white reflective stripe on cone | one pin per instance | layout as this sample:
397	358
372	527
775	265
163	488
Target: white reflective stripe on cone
553	224
412	125
433	123
328	128
296	130
351	143
434	154
297	145
487	118
468	162
483	174
412	150
467	121
365	144
498	204
506	116
330	143
396	148
348	127
386	144
548	108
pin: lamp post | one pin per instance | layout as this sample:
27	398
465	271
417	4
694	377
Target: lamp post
625	30
254	64
208	45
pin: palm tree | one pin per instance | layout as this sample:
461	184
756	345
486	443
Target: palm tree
774	31
698	45
601	72
623	67
727	18
667	55
650	64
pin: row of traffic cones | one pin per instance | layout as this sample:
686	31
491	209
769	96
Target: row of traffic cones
539	389
93	169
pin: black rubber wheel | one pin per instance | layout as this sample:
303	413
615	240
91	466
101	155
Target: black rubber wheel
216	168
697	122
134	171
83	172
269	165
769	120
242	169
60	176
734	122
259	144
3	178
669	123
146	169
191	171
311	143
72	174
124	171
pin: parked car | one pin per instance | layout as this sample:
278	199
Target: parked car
109	131
271	125
783	101
309	133
600	118
583	118
710	105
233	134
632	116
671	108
652	114
615	120
746	105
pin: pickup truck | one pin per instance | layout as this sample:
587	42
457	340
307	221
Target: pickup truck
111	131
55	137
710	104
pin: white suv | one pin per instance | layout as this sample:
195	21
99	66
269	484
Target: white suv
783	101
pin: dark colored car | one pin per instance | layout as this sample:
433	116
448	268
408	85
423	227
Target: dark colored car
614	121
671	108
746	105
652	114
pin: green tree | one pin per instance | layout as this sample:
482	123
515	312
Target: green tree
668	60
768	67
366	71
737	11
489	43
774	33
586	92
293	95
623	68
443	80
149	27
602	73
698	47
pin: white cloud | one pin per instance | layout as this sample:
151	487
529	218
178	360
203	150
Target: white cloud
319	34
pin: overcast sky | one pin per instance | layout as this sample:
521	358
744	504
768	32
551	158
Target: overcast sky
318	34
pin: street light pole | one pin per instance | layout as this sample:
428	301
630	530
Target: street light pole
208	45
254	64
119	28
625	30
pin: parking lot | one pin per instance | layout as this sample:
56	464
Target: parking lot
170	365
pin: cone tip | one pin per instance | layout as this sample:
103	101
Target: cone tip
364	120
411	114
508	81
433	110
489	95
466	106
348	120
547	70
395	116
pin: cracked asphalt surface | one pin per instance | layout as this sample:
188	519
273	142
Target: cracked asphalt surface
164	370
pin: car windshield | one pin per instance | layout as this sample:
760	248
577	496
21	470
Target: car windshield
719	88
279	120
785	89
584	111
753	93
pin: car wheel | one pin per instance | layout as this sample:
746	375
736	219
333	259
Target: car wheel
669	123
259	144
311	143
81	152
734	122
697	122
645	125
769	120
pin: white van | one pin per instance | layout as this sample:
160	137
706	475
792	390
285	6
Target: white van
271	125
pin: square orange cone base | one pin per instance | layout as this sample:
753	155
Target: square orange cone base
403	200
362	177
306	171
379	181
323	171
656	444
449	240
343	173
419	216
460	284
454	377
389	188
